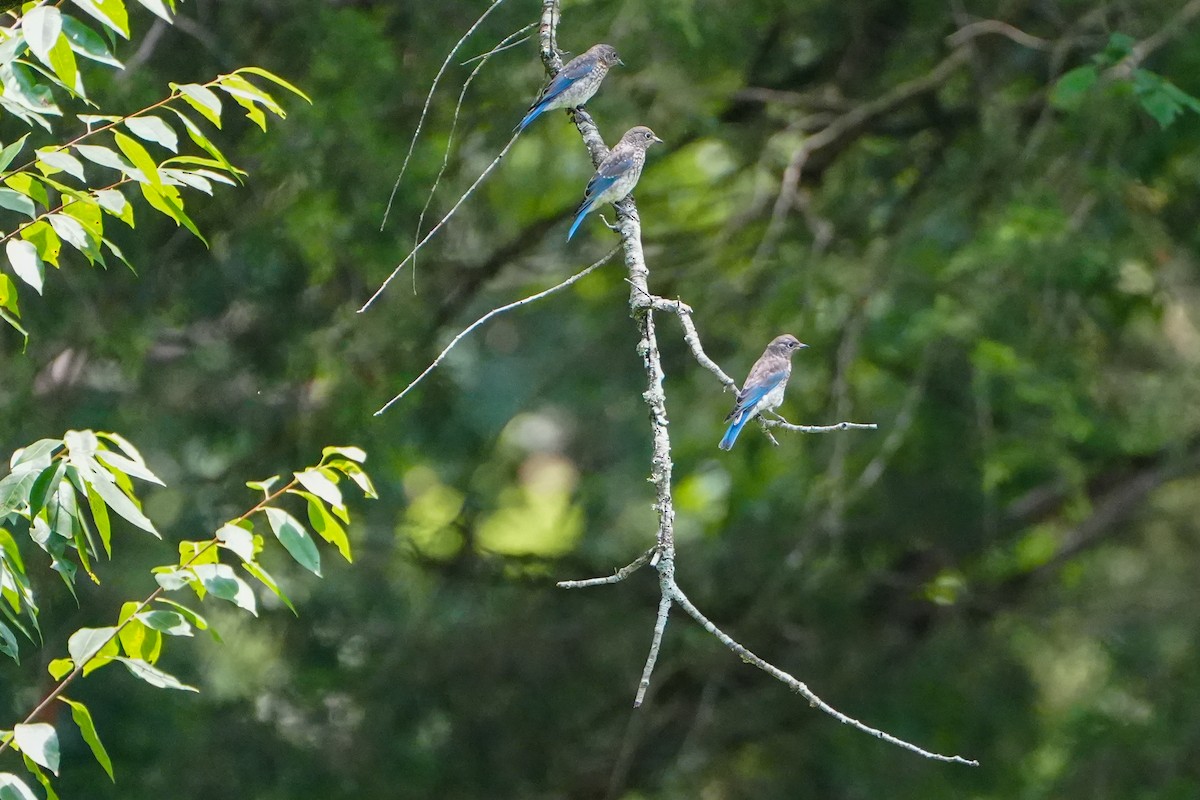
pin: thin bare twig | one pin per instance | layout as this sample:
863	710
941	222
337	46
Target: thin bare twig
840	426
483	59
432	231
618	576
985	26
429	99
495	312
797	686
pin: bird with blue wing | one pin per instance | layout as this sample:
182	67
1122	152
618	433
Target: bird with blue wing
575	83
764	386
617	174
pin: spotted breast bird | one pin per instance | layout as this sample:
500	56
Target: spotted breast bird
764	386
617	174
575	83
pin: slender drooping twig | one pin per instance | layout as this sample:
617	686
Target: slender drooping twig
429	99
504	44
495	312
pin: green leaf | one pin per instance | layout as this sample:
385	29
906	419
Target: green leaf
73	233
10	152
220	580
264	577
42	777
116	204
356	474
320	485
15	201
237	540
13	788
1069	91
138	640
8	643
168	200
83	719
62	61
23	257
45	485
87	43
29	186
107	157
264	485
42	26
197	621
201	98
115	499
41	234
60	668
168	622
158	8
295	539
153	129
128	466
197	136
38	741
327	527
110	13
173	578
271	76
14	490
8	294
154	676
53	160
139	157
93	647
243	91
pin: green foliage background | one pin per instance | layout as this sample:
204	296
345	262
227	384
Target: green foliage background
1005	570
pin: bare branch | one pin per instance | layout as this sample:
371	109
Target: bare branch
840	426
660	627
495	312
985	26
429	99
618	576
844	125
692	337
797	686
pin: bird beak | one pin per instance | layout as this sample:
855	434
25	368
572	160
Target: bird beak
801	346
620	63
660	141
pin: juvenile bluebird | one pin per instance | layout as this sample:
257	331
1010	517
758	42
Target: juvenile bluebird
575	83
617	174
764	386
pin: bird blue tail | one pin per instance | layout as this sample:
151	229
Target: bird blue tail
533	114
583	211
732	433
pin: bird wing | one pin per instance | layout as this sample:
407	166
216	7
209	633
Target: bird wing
758	385
566	76
611	170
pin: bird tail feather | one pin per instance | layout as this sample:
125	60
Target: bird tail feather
731	434
533	114
583	211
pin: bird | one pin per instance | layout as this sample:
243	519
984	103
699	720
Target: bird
575	83
764	386
617	174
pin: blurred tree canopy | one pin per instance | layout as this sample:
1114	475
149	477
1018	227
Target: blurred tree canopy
991	248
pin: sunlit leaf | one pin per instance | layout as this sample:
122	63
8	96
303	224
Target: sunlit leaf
153	129
295	539
203	99
38	741
154	676
87	728
109	12
25	262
